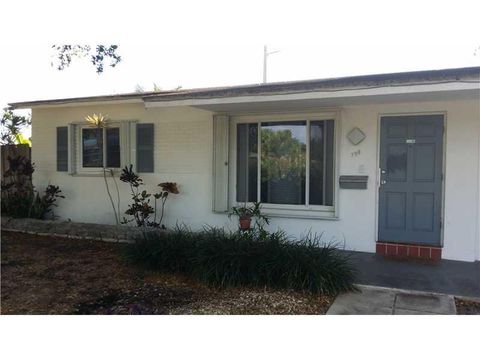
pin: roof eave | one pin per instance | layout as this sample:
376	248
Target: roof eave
273	89
370	92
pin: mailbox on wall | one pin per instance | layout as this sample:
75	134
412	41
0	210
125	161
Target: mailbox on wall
353	182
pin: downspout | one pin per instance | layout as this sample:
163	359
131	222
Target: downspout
477	244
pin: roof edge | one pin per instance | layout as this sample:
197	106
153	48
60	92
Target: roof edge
386	79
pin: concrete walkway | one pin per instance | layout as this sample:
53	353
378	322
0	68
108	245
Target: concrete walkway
446	276
372	300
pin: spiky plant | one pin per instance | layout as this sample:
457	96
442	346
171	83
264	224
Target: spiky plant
99	121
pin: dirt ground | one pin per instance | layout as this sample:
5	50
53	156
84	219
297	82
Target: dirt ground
48	275
467	307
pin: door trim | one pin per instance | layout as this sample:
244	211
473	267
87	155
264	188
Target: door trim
377	176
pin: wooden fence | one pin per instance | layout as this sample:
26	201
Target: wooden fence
12	151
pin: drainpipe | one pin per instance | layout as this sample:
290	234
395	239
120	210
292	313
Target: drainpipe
477	244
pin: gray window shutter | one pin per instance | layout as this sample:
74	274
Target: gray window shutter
131	145
127	143
62	148
145	142
72	138
220	163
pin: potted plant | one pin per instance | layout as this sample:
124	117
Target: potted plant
246	213
244	216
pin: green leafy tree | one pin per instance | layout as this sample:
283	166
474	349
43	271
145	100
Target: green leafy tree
283	156
64	54
11	128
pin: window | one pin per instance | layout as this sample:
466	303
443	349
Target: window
286	162
84	150
247	160
113	147
100	147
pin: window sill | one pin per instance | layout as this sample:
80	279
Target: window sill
325	214
296	211
308	215
98	173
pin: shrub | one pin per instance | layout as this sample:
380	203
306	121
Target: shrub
19	197
168	251
141	209
254	258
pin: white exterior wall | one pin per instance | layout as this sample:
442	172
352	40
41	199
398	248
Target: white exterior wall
183	154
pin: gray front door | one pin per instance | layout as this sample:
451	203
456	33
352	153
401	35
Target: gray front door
410	198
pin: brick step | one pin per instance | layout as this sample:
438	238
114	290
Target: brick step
405	250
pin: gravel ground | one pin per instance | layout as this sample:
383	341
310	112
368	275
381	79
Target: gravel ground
467	307
48	275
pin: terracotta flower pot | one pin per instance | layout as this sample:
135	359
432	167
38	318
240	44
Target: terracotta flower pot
245	223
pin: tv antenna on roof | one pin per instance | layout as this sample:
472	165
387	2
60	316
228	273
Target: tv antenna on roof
265	57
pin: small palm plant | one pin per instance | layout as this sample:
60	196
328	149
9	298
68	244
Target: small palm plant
101	122
98	121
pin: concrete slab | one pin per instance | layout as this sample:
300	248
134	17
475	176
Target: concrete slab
368	301
410	312
369	296
352	309
446	276
384	301
432	303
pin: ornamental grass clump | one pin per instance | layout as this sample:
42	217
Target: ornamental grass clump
169	252
254	258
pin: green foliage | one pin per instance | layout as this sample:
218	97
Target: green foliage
20	139
42	206
65	53
170	251
141	208
19	198
283	156
254	258
11	127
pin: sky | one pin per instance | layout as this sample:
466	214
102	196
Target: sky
213	43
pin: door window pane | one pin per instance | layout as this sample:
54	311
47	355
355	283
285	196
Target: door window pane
321	162
113	147
92	147
247	155
283	162
397	162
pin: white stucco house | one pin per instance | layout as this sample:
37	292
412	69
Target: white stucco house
385	163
